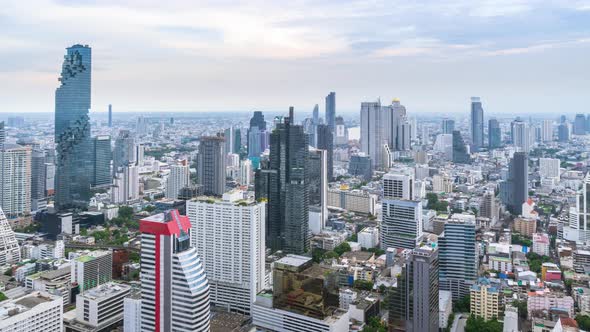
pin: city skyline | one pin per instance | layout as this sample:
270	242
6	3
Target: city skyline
505	52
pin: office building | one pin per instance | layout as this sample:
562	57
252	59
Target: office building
494	134
460	153
341	133
99	309
318	187
547	131
563	132
246	173
485	300
514	191
34	312
372	138
125	187
178	178
476	124
357	201
15	180
413	304
397	131
9	250
579	124
101	161
257	135
92	269
38	178
233	140
141	126
229	236
401	225
72	130
489	207
174	287
55	282
360	165
211	165
331	111
448	126
287	188
458	257
325	141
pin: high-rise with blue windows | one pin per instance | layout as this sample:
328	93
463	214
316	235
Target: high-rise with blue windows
476	124
331	110
72	130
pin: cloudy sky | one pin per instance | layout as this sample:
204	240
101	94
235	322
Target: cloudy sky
520	56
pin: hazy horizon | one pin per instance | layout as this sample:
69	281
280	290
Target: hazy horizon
519	56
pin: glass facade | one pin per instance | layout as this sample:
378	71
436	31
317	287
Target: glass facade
72	130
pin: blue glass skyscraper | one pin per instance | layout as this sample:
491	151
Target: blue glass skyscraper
72	130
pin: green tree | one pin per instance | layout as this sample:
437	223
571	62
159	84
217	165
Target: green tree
375	325
522	308
463	305
478	324
363	284
125	212
3	297
342	248
583	322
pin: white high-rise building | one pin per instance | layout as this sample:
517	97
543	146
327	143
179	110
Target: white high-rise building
547	131
549	168
34	312
246	172
444	145
229	235
401	224
126	185
521	135
178	178
9	248
92	269
372	137
132	314
174	286
15	180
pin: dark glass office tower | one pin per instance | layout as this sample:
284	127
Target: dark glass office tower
211	165
101	176
72	130
448	126
460	155
494	134
514	191
326	142
287	190
124	153
331	110
476	124
110	116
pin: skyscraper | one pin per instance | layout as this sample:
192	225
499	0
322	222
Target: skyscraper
331	110
15	180
125	151
401	225
141	126
460	155
413	304
287	188
476	124
396	130
72	129
580	125
514	191
38	178
521	135
318	189
9	250
458	257
233	140
211	165
326	142
316	114
448	126
372	138
101	161
174	287
110	116
257	135
563	132
494	134
229	237
125	187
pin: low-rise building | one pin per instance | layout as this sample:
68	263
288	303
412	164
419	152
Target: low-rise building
445	308
34	312
524	226
368	237
352	200
544	300
485	300
541	244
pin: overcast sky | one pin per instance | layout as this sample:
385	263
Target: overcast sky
152	55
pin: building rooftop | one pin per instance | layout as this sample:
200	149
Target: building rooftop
105	291
294	260
10	308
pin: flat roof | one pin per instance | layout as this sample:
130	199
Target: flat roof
294	260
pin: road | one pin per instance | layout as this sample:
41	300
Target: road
459	323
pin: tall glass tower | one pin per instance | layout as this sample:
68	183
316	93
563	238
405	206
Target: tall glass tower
72	130
476	124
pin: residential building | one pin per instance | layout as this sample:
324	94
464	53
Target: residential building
448	126
15	180
125	153
34	312
489	207
579	124
563	132
460	153
72	130
485	300
174	286
541	244
132	313
494	134
352	200
368	237
545	300
521	135
547	131
549	168
101	161
372	138
229	236
178	178
211	165
525	227
125	187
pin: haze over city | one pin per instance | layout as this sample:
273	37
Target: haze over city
520	56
